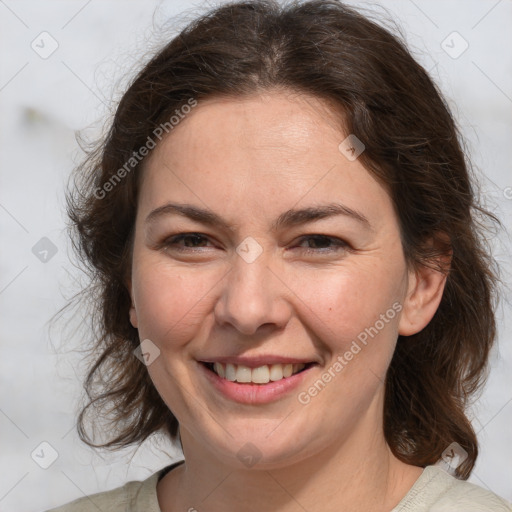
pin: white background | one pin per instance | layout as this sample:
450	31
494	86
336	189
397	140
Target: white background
43	102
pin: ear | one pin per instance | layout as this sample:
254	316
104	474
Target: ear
133	311
425	290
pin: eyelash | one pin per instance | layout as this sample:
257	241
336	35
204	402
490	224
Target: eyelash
338	243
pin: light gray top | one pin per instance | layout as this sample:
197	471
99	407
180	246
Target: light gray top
434	491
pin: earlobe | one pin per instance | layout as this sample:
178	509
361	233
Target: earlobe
133	317
426	286
133	311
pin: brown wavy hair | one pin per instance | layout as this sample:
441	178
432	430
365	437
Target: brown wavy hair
325	49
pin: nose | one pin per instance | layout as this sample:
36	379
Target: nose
253	298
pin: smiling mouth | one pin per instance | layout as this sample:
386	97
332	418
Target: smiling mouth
260	375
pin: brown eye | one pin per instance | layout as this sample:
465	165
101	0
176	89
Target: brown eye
323	244
190	241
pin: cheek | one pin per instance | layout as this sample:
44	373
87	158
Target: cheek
352	304
170	303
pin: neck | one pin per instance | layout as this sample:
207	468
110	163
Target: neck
360	473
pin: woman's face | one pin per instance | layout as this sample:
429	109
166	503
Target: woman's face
263	285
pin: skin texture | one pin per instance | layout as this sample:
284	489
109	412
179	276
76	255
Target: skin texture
249	160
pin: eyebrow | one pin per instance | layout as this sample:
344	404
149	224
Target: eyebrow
290	218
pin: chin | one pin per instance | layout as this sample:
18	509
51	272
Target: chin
259	444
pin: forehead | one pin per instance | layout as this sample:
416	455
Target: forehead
270	123
261	153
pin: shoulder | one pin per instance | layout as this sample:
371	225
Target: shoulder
438	491
132	496
469	497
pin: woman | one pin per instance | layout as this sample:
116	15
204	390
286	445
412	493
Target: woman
283	230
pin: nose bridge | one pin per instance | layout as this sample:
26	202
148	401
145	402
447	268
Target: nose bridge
251	297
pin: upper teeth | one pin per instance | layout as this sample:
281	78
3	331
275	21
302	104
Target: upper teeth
261	375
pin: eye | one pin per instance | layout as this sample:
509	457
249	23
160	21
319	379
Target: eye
323	244
316	244
191	241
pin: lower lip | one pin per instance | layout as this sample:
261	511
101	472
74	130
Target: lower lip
255	393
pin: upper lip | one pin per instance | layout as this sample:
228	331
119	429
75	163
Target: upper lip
256	361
